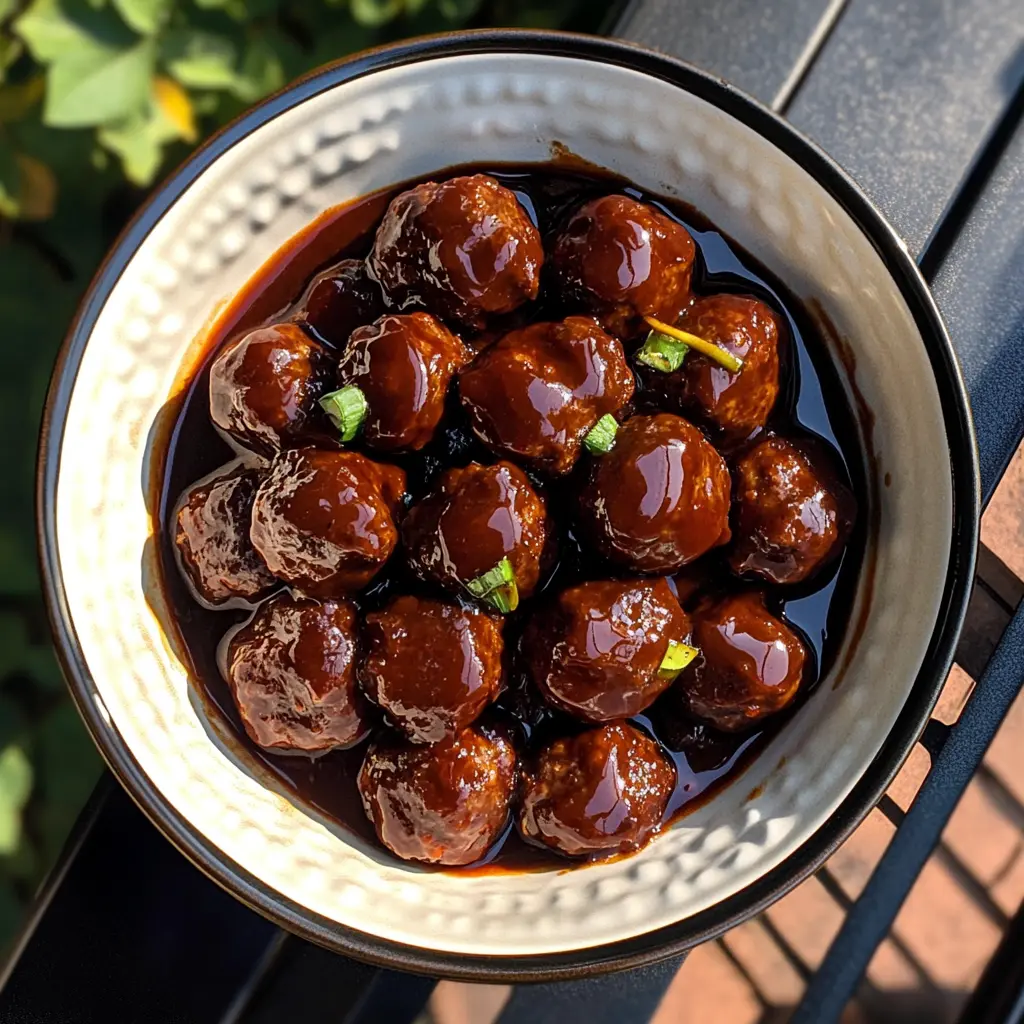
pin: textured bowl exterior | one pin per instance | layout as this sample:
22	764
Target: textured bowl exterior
337	136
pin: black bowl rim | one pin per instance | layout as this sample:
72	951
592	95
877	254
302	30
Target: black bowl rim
661	943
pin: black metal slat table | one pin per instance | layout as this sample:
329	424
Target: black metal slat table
923	102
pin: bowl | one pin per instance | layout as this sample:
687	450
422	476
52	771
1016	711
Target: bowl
404	112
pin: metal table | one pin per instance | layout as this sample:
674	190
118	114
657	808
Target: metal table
923	102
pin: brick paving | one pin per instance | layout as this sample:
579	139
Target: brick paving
942	938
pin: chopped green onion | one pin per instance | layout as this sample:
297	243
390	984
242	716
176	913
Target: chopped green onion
720	355
497	586
676	659
346	409
662	353
602	435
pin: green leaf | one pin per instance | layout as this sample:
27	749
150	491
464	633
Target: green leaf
52	30
261	72
147	17
139	142
200	60
15	787
97	87
15	776
7	8
23	863
49	32
10	51
205	103
9	181
376	12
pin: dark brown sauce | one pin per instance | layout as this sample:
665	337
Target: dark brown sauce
811	403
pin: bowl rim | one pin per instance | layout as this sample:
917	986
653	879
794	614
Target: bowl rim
707	924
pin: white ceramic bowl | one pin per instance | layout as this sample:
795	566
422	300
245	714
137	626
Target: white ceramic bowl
406	112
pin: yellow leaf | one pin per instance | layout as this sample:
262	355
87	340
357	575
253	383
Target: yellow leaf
38	188
176	105
17	100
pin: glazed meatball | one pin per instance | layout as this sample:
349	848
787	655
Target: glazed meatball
623	260
478	518
340	299
537	393
402	365
291	670
602	792
212	537
431	665
447	803
597	654
659	498
735	403
264	389
324	521
463	249
750	663
789	521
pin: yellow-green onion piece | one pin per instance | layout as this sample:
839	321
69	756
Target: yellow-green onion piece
662	353
676	659
720	355
346	409
497	587
601	437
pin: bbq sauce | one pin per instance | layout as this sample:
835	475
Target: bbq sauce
811	405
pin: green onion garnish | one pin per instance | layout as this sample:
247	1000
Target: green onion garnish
602	435
676	659
497	586
662	353
346	409
664	334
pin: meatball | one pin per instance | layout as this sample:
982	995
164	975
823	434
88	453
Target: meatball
482	521
537	393
598	653
447	803
265	387
291	670
788	520
402	366
602	792
623	260
659	498
750	666
324	521
212	537
463	249
431	665
735	403
340	299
